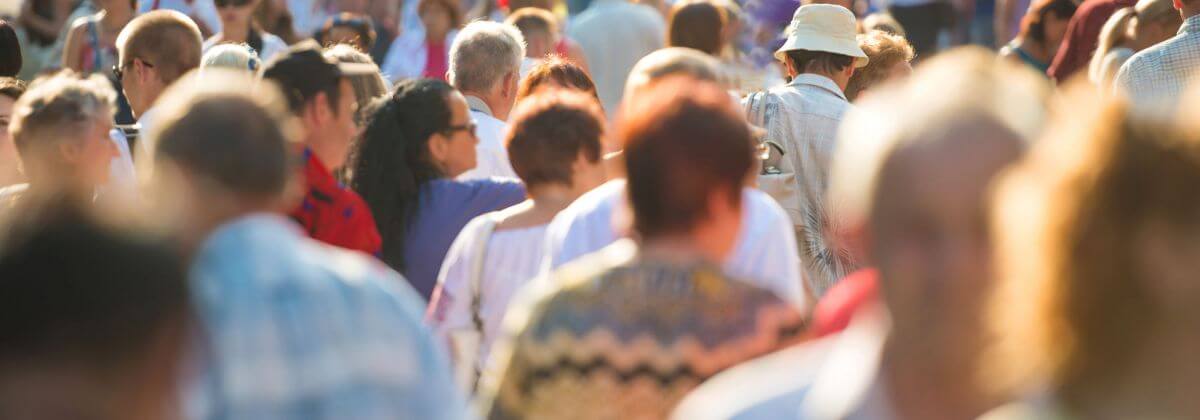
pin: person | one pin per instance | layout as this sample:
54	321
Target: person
923	22
10	91
801	119
539	28
154	50
368	86
889	58
239	57
90	46
416	143
657	316
1120	203
10	57
95	318
1083	35
1042	30
322	97
349	29
882	22
425	53
614	35
485	65
203	13
555	146
1156	77
698	25
566	47
912	355
39	26
556	73
1130	30
765	253
287	324
60	128
238	27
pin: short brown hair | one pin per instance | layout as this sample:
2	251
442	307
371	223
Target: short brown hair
884	51
684	140
555	71
12	88
56	109
452	8
697	25
549	132
166	39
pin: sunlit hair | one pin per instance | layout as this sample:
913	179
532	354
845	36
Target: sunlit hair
367	87
1033	24
555	72
55	109
233	57
1085	227
672	61
549	131
11	88
884	51
483	53
168	40
882	22
1120	29
696	24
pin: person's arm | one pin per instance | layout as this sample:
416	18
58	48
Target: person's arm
73	45
48	28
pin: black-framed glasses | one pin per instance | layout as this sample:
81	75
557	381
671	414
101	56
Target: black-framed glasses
468	127
227	3
118	71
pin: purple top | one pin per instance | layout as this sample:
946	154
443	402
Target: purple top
446	206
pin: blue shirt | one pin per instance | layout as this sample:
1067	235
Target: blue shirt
443	209
295	329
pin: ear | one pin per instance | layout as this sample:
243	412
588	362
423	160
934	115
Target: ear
321	108
439	147
508	89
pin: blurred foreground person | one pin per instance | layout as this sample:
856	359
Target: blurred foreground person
1130	30
1156	77
289	327
485	65
628	331
555	147
765	251
94	320
60	127
1097	308
802	119
413	146
320	94
922	178
10	164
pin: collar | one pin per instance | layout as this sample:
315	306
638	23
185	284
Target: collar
819	81
1190	25
478	105
316	173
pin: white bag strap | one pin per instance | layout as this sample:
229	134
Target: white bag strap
475	284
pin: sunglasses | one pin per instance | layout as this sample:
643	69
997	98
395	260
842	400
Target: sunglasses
118	71
468	127
234	3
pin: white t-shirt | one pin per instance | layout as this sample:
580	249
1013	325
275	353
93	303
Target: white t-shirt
513	257
491	156
765	252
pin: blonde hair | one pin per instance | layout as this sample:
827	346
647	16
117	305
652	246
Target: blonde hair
234	57
56	109
884	51
1121	28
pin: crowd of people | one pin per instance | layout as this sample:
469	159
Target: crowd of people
605	209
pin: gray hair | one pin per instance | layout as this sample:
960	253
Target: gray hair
482	53
57	107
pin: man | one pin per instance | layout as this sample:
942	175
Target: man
319	93
292	328
922	182
1156	77
61	127
1083	36
93	320
154	50
802	119
485	65
615	34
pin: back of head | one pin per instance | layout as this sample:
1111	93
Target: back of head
555	73
684	141
534	23
57	109
367	86
884	51
549	131
696	24
10	50
232	57
89	313
672	61
483	53
882	22
168	40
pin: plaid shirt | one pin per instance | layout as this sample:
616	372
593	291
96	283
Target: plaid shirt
294	329
334	214
1158	76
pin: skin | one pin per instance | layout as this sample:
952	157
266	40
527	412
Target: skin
545	201
437	23
140	82
1054	30
331	129
235	22
712	239
94	152
931	245
114	14
9	162
841	78
454	151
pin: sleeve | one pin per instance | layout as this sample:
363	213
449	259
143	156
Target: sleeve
767	249
450	308
1123	83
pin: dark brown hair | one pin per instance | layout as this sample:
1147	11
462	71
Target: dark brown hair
684	140
452	8
555	71
549	131
805	61
696	25
1034	23
10	50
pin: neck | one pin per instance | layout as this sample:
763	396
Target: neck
41	395
1189	10
328	157
684	248
935	385
552	198
835	77
1157	383
236	32
494	106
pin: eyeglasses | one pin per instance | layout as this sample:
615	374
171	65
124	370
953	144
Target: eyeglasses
118	71
468	127
234	3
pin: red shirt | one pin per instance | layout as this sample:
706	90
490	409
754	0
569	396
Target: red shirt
436	62
334	214
834	312
1083	35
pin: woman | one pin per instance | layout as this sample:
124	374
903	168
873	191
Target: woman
91	46
890	58
414	145
628	331
425	53
1098	252
555	148
1128	31
238	27
1042	30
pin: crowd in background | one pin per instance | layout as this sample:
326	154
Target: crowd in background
599	209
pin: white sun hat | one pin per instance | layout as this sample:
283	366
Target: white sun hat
824	27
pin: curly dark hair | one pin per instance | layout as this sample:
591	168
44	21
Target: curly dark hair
392	160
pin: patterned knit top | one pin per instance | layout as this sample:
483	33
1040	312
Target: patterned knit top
617	336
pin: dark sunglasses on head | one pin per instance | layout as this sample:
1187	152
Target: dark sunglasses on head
234	3
468	127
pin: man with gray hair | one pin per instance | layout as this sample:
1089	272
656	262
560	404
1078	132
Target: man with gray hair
485	65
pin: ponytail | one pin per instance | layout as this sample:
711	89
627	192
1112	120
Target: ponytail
1114	33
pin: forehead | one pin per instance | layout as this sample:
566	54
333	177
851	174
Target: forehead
6	105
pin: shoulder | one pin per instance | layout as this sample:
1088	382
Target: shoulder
769	387
477	187
762	206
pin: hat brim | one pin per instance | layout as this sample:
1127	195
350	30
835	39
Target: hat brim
843	47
